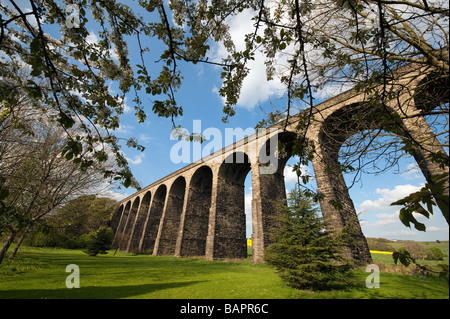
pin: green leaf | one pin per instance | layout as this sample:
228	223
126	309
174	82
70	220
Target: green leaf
66	120
419	209
35	45
4	192
69	156
396	256
403	256
404	217
420	226
430	206
127	182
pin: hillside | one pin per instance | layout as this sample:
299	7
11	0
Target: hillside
421	250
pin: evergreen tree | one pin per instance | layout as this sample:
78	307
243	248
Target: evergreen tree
99	241
304	253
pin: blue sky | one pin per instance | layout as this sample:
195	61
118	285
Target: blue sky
200	100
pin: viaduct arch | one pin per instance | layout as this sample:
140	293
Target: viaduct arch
199	209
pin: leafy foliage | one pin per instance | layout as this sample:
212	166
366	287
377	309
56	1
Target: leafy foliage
437	254
428	195
405	258
71	224
35	179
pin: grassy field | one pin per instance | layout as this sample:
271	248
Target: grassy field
39	273
388	260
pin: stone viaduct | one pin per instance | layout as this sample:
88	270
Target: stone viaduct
199	209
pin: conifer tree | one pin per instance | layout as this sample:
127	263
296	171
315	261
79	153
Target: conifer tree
99	241
305	255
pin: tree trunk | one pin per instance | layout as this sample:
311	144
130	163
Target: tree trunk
6	245
19	243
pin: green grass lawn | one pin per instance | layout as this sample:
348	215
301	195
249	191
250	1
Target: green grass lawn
39	273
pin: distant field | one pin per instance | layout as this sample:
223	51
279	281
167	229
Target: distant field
40	273
421	247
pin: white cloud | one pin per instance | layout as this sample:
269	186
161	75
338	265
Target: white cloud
434	228
113	195
255	87
388	196
248	203
137	159
386	219
379	222
31	18
400	233
333	89
378	215
109	190
125	128
143	138
92	38
289	175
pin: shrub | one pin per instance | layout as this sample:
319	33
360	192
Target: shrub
99	241
84	239
436	254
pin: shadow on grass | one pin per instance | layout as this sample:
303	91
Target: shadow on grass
116	292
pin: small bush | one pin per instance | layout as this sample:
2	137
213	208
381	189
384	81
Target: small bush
435	254
99	241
